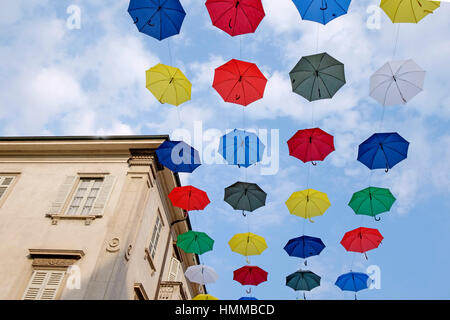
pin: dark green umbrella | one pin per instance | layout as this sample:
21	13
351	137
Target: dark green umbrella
317	77
372	201
195	242
303	281
245	196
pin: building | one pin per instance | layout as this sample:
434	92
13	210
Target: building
89	218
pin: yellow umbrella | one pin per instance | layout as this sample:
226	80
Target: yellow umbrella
408	11
204	297
247	244
308	203
168	84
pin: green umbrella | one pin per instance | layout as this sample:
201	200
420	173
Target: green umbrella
195	242
303	281
372	201
317	77
245	196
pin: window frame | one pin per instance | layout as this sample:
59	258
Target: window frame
148	250
70	199
5	195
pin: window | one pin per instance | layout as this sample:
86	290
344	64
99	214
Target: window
174	269
44	285
85	195
155	236
139	292
5	183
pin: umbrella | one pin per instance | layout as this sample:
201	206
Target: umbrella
303	281
353	281
400	11
322	11
236	17
189	198
317	77
201	274
239	82
245	196
241	148
247	244
159	19
168	84
304	247
361	240
397	82
308	203
247	298
204	297
372	201
178	156
311	145
195	242
250	275
383	150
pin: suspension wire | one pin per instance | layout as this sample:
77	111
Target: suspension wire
396	41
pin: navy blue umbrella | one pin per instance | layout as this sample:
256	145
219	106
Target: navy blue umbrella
241	148
304	247
248	298
353	281
178	156
322	11
159	19
383	150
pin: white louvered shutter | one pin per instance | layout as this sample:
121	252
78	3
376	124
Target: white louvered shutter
44	285
103	196
174	269
62	195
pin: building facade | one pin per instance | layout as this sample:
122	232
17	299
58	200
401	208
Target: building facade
89	218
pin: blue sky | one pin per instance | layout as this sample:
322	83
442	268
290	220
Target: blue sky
91	81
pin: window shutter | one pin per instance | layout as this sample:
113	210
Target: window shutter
63	193
174	270
103	196
43	285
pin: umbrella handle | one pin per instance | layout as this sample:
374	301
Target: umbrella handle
243	213
312	221
229	24
386	170
304	296
365	254
377	219
137	20
248	291
314	163
355	297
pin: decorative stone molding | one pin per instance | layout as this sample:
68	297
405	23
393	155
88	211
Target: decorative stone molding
128	252
87	219
54	258
113	245
148	257
141	157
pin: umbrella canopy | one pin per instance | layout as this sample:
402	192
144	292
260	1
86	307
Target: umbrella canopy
317	77
304	247
236	17
241	148
322	11
168	84
361	240
239	82
245	196
372	201
308	203
397	82
195	242
247	244
204	297
247	298
303	280
402	11
383	150
159	19
250	275
311	145
201	274
189	198
353	281
178	156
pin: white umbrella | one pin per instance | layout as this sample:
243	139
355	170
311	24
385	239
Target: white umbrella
201	274
397	82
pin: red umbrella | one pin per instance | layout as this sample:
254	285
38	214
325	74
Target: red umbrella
189	198
250	275
311	145
362	240
236	17
239	82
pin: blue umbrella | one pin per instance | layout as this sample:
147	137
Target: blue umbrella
248	298
241	148
322	11
178	156
159	19
383	151
353	281
304	247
